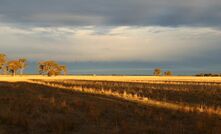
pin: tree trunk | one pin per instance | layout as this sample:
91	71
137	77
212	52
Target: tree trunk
5	71
14	73
21	72
2	71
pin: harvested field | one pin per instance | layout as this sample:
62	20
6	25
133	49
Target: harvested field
65	105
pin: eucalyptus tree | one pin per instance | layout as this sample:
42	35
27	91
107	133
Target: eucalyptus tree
168	73
3	60
23	64
63	68
51	68
16	65
13	67
157	72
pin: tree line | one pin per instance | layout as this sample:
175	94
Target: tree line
50	68
159	72
208	75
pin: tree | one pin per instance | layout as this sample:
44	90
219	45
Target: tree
23	64
157	72
51	68
3	60
15	65
12	67
63	68
168	73
46	66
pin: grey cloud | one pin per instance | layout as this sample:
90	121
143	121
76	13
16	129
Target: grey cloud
121	44
112	12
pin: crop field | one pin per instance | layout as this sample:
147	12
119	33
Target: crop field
110	105
141	79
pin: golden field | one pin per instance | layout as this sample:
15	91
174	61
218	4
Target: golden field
115	78
35	104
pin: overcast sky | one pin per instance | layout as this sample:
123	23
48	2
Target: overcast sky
112	30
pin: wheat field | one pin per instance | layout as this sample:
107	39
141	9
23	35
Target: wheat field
141	79
35	104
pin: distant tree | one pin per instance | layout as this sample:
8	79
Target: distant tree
208	75
12	67
157	72
57	70
63	68
51	68
23	64
46	66
168	73
15	65
3	60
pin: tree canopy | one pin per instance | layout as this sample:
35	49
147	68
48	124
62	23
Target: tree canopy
52	68
157	72
15	65
168	73
3	60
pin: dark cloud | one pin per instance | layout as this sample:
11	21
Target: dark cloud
112	12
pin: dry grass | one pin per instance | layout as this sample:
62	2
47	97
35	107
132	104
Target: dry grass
141	79
111	104
190	97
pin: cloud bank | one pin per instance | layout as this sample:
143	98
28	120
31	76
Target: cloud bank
114	30
112	12
121	43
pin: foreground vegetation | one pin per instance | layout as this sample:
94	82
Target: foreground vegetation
74	106
200	94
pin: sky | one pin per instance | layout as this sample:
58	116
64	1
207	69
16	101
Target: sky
178	32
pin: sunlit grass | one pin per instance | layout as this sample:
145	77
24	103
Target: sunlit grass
142	79
110	104
136	96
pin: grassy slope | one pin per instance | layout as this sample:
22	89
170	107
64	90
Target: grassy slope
31	108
